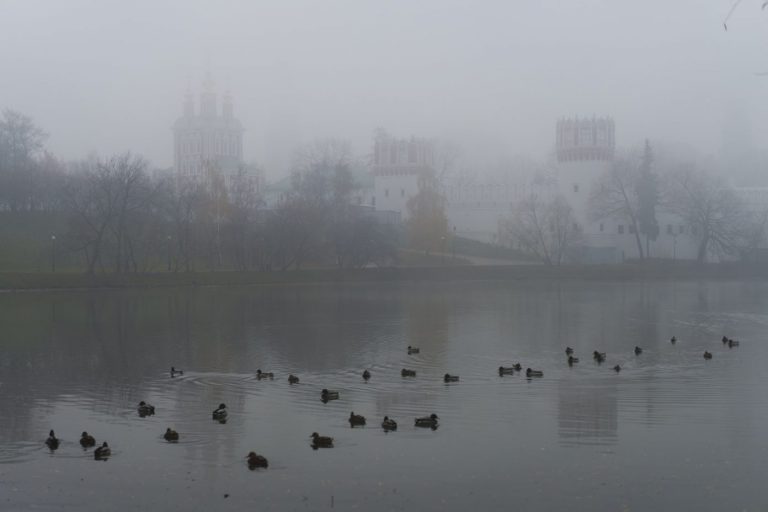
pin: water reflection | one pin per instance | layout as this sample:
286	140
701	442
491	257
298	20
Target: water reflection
83	361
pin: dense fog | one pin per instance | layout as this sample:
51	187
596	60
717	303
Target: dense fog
269	135
492	77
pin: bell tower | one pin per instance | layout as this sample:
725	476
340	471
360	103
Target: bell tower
208	98
207	140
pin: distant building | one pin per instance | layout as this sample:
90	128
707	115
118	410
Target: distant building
397	165
477	207
585	150
210	141
480	207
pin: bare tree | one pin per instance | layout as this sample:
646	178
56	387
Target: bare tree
242	234
614	195
131	192
317	209
21	143
711	209
183	200
108	204
90	204
755	234
544	227
293	232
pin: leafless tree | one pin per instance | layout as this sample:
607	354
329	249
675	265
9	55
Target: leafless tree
128	181
755	234
717	218
614	195
108	204
544	226
244	223
316	210
90	204
21	144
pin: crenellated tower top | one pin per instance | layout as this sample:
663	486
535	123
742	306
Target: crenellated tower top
585	139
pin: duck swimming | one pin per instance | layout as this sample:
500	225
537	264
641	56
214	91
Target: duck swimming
408	373
366	375
508	370
617	368
572	360
568	351
413	350
599	356
319	441
256	461
673	339
388	424
724	340
52	442
171	435
264	375
533	373
87	440
292	379
638	351
326	395
144	409
220	413
175	372
427	421
518	367
732	343
356	420
450	378
707	355
102	452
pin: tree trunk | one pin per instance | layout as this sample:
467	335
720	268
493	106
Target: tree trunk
702	254
639	242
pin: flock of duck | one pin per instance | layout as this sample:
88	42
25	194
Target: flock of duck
255	460
600	357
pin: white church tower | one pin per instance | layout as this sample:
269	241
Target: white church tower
209	141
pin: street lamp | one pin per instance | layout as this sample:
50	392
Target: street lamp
442	250
453	245
674	247
53	253
168	247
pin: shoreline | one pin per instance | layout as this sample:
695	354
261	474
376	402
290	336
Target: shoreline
17	282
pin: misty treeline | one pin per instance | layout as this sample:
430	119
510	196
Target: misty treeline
121	219
637	191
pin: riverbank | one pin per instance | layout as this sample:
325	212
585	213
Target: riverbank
655	271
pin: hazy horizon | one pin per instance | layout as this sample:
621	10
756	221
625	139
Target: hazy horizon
108	77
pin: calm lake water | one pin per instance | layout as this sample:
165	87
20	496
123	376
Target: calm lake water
671	431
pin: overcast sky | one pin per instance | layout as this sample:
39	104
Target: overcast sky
494	76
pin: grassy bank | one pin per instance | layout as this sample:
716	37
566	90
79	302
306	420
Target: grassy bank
33	281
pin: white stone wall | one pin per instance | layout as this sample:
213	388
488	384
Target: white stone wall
393	192
576	180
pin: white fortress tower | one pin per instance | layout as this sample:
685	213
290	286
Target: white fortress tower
585	149
397	165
